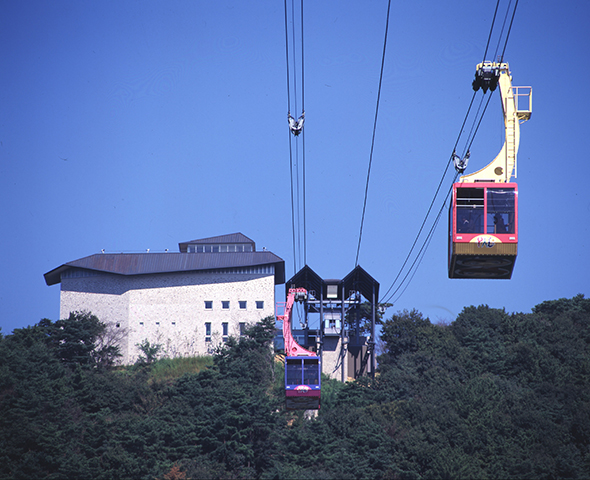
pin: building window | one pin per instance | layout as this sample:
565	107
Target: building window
173	323
118	325
242	304
157	323
141	323
259	304
220	248
208	304
224	327
208	331
225	304
242	329
332	291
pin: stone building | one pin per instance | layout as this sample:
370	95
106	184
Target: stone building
187	301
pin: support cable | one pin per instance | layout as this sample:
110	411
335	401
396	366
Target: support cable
491	30
292	205
373	138
421	252
294	55
296	168
298	190
290	146
287	56
428	238
434	198
509	30
304	208
477	115
479	123
298	201
471	137
502	30
303	139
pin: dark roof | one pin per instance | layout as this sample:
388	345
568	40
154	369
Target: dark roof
305	278
231	238
361	281
357	280
170	262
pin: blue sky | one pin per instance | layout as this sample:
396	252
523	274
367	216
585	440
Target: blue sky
129	125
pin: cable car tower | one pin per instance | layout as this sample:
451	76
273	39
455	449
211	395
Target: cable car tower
483	215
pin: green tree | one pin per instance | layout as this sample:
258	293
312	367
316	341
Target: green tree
150	352
363	313
75	340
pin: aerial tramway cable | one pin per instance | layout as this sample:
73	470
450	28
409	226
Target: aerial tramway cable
509	29
356	262
420	255
485	53
430	207
303	140
387	297
298	194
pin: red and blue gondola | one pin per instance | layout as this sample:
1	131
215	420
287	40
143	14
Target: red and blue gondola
303	368
302	383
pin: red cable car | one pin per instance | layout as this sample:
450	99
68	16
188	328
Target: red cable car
483	215
483	221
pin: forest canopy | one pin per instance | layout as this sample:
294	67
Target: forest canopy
491	395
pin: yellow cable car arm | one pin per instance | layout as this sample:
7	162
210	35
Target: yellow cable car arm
517	109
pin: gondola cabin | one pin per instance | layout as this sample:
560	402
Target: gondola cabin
483	230
483	215
302	383
303	368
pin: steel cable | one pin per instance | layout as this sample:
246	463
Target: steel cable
470	139
373	138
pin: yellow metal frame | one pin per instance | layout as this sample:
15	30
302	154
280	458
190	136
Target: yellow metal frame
503	167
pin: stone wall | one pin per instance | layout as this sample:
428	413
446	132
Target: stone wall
169	309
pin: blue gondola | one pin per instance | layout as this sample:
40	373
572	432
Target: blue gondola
302	383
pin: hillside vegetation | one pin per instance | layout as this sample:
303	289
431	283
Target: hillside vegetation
492	395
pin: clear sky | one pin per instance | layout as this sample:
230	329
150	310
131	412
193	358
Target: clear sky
127	125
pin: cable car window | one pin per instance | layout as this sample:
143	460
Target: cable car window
470	210
293	372
500	210
311	372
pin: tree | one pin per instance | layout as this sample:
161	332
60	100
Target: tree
404	332
82	339
364	314
107	350
150	352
